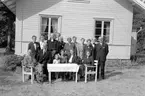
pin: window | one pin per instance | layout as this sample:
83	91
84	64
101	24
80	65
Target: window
102	28
50	24
79	1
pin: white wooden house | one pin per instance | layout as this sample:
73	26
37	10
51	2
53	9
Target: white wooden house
81	18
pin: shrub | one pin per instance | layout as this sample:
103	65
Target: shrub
10	62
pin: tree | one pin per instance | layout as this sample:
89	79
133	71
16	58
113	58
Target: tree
7	19
139	22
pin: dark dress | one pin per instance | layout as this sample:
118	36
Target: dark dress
101	52
88	48
88	61
60	46
52	47
69	47
63	59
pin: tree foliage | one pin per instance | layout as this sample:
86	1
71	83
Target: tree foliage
5	16
138	20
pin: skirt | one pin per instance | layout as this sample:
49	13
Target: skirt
40	76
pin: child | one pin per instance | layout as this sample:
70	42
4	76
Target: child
56	60
63	57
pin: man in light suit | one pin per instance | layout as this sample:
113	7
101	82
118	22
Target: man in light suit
101	52
34	46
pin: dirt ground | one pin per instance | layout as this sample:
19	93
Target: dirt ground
118	82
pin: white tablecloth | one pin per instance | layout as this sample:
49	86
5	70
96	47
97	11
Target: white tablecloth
62	67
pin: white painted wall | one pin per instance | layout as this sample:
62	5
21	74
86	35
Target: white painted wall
77	20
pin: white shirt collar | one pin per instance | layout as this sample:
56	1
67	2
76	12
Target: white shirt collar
70	60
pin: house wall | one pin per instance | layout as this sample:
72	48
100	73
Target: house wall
77	20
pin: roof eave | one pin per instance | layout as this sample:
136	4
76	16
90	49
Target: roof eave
138	3
11	4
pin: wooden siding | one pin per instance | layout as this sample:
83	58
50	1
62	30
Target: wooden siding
77	20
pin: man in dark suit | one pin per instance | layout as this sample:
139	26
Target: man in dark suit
43	58
94	42
101	50
34	46
73	58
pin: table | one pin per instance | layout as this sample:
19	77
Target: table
66	67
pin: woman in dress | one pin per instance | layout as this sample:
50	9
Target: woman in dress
69	46
89	48
81	48
29	61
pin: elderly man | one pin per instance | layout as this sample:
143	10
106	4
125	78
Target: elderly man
43	58
42	41
101	50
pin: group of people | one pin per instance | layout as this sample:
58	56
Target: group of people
56	51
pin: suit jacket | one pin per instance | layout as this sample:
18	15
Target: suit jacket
77	46
101	51
44	58
94	55
88	61
32	48
75	59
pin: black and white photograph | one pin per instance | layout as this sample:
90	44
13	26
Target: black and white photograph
72	47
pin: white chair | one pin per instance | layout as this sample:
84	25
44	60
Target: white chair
91	72
27	72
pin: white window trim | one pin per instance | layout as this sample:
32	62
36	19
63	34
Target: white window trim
111	27
50	16
81	1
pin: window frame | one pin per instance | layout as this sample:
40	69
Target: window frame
50	16
111	33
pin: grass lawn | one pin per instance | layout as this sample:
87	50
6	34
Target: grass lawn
121	80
